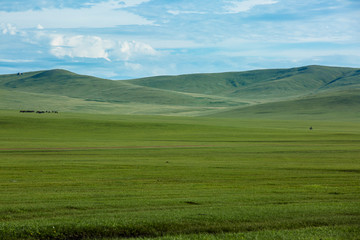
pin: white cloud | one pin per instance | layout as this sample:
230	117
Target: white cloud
132	3
128	50
15	60
246	5
80	46
133	66
40	27
8	29
99	15
96	47
177	12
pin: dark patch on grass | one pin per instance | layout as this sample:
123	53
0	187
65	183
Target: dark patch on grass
350	170
76	208
322	170
192	203
282	203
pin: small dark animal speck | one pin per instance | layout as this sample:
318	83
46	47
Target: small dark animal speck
192	203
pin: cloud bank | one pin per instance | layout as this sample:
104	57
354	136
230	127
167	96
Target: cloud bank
100	15
80	46
8	29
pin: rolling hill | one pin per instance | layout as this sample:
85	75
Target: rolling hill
65	83
309	90
259	84
337	105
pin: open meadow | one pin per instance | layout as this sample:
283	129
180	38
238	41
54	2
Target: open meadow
87	176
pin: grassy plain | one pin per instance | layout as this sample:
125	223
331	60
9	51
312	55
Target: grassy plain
87	176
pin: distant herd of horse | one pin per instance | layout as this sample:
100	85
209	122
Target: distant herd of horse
32	111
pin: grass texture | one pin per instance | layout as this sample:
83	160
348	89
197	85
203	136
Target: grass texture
87	176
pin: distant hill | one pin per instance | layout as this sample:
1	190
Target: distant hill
260	84
65	83
229	94
336	105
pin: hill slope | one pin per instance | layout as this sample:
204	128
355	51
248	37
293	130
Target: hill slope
260	84
337	105
278	90
65	83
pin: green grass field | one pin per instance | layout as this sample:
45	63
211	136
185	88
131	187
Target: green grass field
87	176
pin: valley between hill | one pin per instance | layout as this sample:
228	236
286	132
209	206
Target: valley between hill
306	91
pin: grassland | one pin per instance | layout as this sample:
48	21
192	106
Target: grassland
186	95
249	168
87	176
343	105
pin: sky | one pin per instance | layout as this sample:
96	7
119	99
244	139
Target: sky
125	39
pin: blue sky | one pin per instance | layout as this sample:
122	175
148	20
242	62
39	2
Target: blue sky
122	39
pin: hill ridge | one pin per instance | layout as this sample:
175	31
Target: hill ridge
188	94
234	82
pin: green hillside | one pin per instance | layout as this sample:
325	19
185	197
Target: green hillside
259	84
11	100
280	91
65	83
337	105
